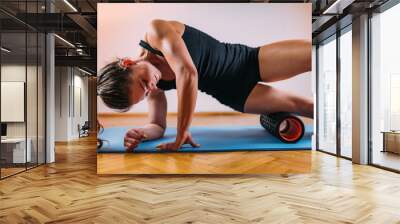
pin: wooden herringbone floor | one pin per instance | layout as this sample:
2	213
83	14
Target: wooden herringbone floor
70	191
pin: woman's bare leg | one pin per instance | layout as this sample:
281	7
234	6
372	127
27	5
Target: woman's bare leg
265	99
284	59
279	61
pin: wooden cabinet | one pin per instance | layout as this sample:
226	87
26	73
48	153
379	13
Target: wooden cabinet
391	141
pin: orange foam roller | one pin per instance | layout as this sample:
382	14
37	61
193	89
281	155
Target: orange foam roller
285	126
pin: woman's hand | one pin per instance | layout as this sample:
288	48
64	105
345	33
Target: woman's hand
133	137
174	146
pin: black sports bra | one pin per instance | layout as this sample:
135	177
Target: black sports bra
147	46
162	84
226	71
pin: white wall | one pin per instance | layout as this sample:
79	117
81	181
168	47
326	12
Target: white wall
12	73
33	126
121	26
61	103
66	119
80	83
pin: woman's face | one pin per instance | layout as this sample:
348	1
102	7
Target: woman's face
145	77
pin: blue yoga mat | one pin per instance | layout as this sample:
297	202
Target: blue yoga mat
211	139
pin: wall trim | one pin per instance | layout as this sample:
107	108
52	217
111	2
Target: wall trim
227	113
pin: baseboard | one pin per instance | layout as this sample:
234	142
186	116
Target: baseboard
142	114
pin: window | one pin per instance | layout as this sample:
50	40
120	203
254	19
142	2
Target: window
327	95
346	93
385	89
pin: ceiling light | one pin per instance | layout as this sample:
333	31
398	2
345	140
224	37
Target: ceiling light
64	40
5	50
326	11
84	71
70	5
337	7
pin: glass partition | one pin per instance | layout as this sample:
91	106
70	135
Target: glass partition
31	97
41	96
14	153
22	87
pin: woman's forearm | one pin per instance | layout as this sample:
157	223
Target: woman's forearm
152	131
186	84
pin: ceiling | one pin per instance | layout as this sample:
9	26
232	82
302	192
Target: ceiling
76	22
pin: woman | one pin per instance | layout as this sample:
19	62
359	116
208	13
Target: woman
178	56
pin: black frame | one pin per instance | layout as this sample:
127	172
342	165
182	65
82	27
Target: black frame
43	53
338	98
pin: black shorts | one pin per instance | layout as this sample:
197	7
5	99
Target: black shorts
234	91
